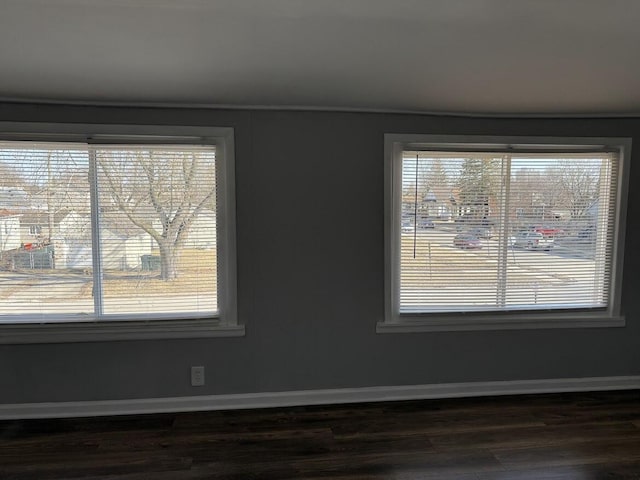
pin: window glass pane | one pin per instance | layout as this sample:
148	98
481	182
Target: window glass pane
157	229
505	232
449	206
44	270
556	257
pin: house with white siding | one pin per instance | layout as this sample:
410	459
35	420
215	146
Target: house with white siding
9	230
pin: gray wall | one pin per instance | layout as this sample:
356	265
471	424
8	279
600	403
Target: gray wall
310	269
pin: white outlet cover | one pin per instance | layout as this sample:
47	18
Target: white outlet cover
197	376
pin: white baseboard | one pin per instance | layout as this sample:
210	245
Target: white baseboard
312	397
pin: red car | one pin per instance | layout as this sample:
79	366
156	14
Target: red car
548	230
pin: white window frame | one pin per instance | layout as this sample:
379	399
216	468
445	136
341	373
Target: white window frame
225	323
396	322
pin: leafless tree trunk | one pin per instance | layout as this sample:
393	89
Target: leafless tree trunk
169	189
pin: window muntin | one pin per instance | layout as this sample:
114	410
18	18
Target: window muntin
506	192
123	221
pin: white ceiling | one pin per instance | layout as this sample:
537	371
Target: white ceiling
459	56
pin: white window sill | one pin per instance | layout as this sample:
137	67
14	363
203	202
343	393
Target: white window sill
113	331
414	324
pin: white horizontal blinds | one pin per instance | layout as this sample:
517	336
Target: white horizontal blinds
483	231
45	247
157	229
446	191
568	200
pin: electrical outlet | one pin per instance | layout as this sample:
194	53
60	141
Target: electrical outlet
197	376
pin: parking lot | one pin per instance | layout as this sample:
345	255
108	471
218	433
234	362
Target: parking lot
441	275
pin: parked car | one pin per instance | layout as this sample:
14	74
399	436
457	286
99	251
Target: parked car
548	230
533	241
467	241
588	233
426	223
407	225
481	232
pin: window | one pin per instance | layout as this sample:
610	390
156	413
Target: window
503	232
139	237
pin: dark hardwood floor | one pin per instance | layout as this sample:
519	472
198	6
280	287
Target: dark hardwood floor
534	437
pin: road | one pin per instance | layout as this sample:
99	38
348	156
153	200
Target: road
565	276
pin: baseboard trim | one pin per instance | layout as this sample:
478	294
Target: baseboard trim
312	397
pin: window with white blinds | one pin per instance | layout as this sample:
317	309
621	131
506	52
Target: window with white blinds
524	231
108	232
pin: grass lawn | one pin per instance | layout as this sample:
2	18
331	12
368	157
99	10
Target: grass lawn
197	274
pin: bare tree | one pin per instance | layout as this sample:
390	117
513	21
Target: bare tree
46	182
534	192
576	184
60	180
160	191
437	175
9	177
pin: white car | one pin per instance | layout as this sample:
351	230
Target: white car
407	226
532	241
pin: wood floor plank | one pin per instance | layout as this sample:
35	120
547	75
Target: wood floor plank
434	423
532	437
572	454
78	467
395	463
580	472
